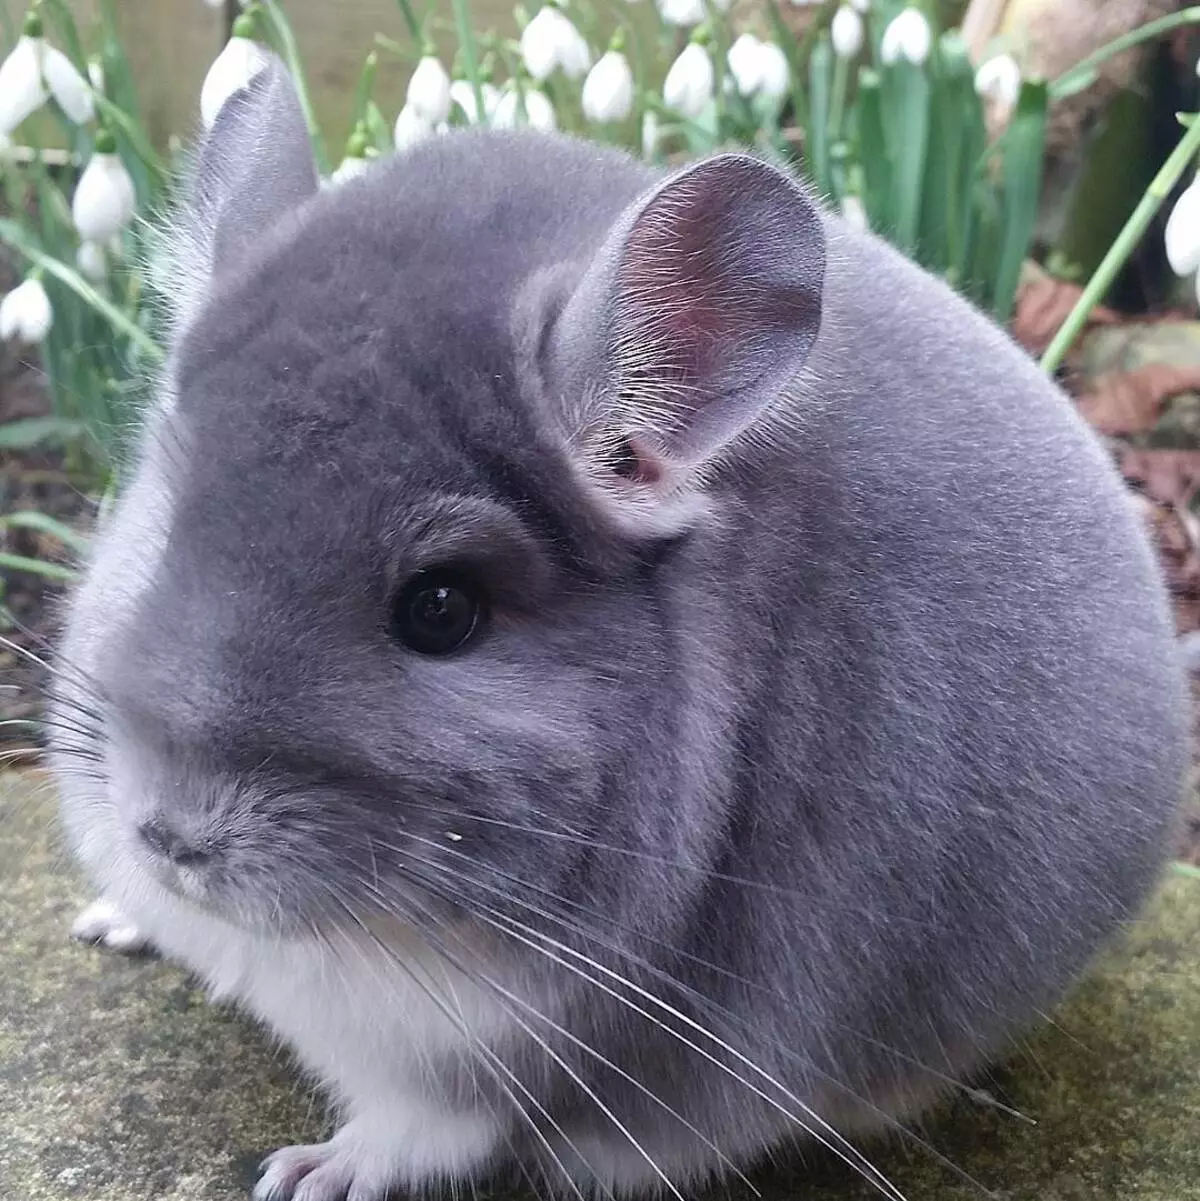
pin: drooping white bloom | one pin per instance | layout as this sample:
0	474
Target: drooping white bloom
539	112
237	64
861	6
463	94
550	41
907	36
92	261
846	32
773	71
410	128
650	134
104	200
608	89
32	73
1182	234
682	12
854	212
999	80
351	167
688	88
25	313
744	64
429	90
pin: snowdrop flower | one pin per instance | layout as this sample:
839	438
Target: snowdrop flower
907	36
682	12
1182	234
539	112
743	60
550	41
232	69
32	73
429	89
650	134
25	313
999	80
846	32
773	71
854	212
463	94
688	88
861	6
410	128
608	89
104	200
92	261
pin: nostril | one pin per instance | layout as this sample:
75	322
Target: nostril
168	843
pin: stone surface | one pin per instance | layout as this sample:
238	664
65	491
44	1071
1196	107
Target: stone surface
119	1083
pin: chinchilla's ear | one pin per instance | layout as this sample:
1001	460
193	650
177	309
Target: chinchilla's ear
696	313
251	169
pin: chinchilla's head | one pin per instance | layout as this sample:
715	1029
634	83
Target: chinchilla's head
382	620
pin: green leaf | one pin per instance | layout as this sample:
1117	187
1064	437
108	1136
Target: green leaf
29	432
820	70
1023	158
50	571
873	151
1185	869
906	98
16	237
28	519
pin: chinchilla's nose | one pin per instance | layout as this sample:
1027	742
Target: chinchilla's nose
164	840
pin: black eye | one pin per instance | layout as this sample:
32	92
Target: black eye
437	611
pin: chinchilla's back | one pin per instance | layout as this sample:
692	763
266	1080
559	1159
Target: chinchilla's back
962	699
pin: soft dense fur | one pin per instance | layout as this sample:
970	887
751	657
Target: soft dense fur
825	724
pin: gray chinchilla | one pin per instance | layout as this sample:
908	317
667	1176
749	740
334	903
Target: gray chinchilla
619	670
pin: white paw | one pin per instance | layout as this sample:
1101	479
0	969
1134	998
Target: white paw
104	924
321	1172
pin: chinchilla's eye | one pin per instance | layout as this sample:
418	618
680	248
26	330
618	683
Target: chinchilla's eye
438	611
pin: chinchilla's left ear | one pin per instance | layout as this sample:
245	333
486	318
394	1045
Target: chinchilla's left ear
253	167
700	307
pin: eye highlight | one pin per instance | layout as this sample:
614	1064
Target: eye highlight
438	611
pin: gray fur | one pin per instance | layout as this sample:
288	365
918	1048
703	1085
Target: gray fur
836	739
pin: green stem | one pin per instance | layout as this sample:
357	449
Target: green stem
1151	201
414	26
466	43
1082	73
837	104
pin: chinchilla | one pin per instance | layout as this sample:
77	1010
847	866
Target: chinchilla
622	672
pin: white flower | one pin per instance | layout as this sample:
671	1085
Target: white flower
550	41
907	36
25	312
999	79
608	89
351	167
539	112
650	134
429	90
854	212
96	74
215	3
1182	234
463	94
232	70
743	60
35	71
773	71
410	128
682	12
104	200
861	6
92	261
688	87
846	32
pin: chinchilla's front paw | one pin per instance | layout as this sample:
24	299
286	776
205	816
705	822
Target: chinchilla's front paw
104	925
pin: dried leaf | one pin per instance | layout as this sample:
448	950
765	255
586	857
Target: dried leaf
1173	531
1169	477
1043	304
1129	402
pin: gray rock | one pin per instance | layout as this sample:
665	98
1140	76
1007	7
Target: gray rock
118	1082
